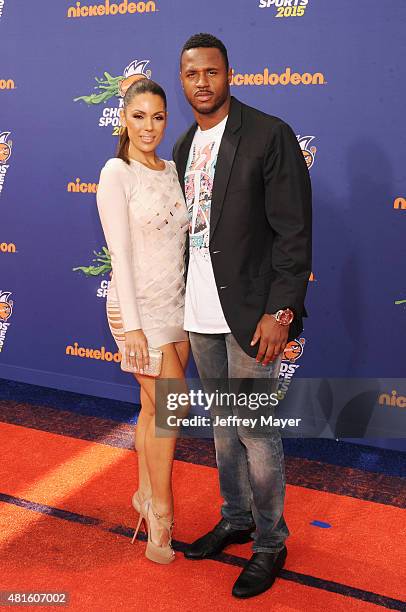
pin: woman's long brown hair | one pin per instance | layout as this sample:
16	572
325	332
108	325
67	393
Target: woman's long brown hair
139	87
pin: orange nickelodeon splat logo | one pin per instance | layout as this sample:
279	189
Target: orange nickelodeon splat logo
294	350
309	153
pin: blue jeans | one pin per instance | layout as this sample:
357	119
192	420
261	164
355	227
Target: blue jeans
251	469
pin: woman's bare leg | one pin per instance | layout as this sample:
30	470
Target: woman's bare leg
183	351
159	451
146	414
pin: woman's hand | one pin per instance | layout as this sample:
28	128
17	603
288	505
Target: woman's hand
136	349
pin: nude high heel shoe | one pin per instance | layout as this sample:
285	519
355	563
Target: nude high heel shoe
138	503
154	552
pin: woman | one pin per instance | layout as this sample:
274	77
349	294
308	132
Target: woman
144	219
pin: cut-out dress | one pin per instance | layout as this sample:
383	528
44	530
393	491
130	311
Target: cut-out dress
145	223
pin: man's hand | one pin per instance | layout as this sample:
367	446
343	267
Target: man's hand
273	338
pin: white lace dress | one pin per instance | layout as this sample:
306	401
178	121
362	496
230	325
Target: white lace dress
144	219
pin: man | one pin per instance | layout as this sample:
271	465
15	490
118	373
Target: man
248	193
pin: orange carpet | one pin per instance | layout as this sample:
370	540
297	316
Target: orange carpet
102	571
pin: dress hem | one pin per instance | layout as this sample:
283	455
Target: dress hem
166	336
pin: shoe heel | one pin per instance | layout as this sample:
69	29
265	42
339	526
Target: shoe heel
141	518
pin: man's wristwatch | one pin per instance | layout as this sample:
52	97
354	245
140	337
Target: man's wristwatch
284	317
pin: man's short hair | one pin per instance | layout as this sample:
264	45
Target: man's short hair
208	41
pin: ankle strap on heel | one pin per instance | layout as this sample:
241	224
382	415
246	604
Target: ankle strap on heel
167	522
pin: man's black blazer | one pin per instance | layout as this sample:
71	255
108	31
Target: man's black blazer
260	220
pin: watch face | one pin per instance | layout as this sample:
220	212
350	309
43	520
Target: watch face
285	316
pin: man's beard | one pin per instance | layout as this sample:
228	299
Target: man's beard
213	109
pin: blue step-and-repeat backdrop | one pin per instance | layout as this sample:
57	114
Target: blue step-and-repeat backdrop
333	70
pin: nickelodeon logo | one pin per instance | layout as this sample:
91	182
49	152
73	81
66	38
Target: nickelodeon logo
107	8
392	400
7	84
79	187
399	204
89	353
7	248
272	78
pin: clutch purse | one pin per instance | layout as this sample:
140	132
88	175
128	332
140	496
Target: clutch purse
154	367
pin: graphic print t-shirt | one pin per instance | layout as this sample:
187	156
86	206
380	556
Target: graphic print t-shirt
203	312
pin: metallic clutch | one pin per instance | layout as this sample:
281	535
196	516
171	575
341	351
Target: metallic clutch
155	364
